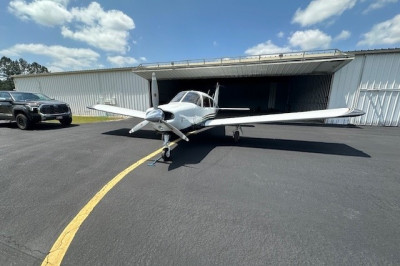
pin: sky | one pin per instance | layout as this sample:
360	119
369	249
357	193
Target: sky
69	35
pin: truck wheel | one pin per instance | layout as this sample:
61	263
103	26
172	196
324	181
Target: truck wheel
23	122
65	122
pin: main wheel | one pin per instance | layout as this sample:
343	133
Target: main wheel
166	154
23	122
236	136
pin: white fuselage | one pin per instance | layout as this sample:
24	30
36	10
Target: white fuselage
187	114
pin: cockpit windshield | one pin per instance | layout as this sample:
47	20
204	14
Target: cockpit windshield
178	97
188	97
192	97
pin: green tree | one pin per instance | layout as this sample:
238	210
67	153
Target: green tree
9	68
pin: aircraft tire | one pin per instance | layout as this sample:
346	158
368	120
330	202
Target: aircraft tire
166	154
236	136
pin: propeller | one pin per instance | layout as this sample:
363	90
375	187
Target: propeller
138	126
154	91
156	115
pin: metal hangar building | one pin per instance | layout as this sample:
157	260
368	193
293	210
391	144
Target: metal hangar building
289	82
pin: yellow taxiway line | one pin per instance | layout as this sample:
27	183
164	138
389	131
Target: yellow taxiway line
60	247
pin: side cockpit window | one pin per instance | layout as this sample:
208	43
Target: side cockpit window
207	102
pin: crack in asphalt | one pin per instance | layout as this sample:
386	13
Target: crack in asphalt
10	242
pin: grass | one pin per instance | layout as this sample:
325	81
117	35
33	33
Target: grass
94	119
76	119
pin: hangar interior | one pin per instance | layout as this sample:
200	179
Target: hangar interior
271	94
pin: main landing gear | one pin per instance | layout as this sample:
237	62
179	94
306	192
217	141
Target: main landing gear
236	133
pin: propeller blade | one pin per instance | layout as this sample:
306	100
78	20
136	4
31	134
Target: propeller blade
154	91
175	130
138	126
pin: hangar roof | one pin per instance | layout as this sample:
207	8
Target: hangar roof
287	64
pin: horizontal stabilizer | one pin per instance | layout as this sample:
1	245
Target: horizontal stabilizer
309	115
118	110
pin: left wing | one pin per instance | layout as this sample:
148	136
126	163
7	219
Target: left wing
118	110
309	115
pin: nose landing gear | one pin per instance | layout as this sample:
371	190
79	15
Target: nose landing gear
166	153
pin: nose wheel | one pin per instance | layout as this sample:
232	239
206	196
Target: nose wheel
166	154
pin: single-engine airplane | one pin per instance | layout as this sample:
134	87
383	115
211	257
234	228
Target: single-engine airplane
195	109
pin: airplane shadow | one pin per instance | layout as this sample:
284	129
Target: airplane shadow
205	140
201	144
142	134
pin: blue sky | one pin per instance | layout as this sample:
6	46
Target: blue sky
66	35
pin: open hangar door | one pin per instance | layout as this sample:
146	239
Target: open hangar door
278	94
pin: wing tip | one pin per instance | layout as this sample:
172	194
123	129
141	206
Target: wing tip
354	112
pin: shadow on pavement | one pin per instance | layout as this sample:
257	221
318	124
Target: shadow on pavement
194	151
204	141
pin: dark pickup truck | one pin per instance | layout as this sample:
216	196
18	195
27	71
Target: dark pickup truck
28	108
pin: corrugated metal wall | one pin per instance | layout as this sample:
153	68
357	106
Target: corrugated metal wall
119	88
370	83
309	92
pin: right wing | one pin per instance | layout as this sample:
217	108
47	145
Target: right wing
308	115
118	110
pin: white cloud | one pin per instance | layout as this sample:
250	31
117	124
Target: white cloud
344	35
62	58
300	40
266	48
281	34
122	60
106	40
310	40
387	33
320	10
45	12
378	4
105	30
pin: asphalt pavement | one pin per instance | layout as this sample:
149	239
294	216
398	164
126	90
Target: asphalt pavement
285	194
